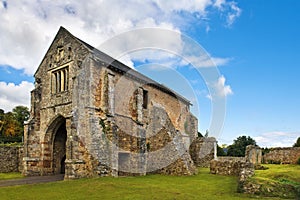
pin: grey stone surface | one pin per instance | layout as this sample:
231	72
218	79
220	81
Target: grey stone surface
288	155
11	159
202	151
114	118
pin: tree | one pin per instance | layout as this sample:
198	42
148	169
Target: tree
297	144
220	151
21	114
239	145
1	120
11	124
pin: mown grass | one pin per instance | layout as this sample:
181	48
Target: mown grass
279	181
13	175
202	186
277	172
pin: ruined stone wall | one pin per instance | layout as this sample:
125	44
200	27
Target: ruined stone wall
128	92
166	152
232	159
11	159
289	155
253	154
140	130
235	166
202	151
178	111
229	167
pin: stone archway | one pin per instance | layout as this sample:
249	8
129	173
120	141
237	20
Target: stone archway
59	149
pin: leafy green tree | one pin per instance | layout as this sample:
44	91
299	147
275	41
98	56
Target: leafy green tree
239	145
297	144
1	114
220	151
265	150
1	120
11	124
21	114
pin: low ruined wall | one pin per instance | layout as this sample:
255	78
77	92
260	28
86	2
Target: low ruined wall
242	167
229	167
236	167
202	151
282	156
233	159
11	159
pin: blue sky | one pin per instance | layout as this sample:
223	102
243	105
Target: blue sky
255	45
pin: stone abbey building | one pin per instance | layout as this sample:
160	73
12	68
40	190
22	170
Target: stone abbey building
91	116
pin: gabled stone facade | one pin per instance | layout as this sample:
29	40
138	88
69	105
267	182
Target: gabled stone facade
93	116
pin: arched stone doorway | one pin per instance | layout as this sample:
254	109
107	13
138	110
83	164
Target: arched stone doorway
59	148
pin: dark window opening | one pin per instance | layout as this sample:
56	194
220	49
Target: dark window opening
145	99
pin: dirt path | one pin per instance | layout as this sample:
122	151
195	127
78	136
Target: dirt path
32	180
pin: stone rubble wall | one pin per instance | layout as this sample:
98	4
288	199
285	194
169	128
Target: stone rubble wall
228	167
253	154
11	159
289	155
232	159
202	151
236	167
242	167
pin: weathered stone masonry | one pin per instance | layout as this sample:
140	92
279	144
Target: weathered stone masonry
243	167
93	116
202	151
287	155
11	159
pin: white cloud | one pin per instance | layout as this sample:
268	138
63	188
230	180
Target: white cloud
219	89
27	27
233	14
12	95
205	60
230	9
219	3
277	139
189	5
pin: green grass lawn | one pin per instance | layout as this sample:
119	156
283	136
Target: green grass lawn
6	176
277	172
202	186
279	180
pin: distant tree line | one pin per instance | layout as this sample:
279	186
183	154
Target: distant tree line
12	124
238	148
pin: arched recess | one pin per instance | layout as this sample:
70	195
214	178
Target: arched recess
55	146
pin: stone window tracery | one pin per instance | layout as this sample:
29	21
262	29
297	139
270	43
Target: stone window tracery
60	81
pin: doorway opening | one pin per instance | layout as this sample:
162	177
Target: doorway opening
59	149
